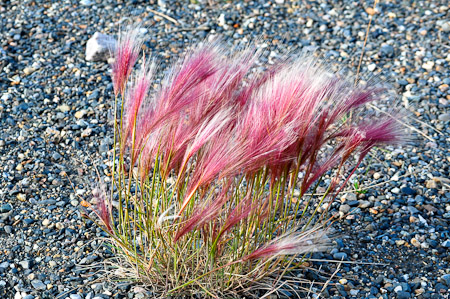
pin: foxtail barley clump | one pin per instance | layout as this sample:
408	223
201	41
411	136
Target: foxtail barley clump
212	166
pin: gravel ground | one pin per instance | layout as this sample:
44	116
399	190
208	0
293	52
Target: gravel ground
54	126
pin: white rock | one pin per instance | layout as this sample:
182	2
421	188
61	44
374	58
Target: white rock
162	3
86	2
63	108
428	65
371	67
444	24
6	97
99	47
221	20
395	190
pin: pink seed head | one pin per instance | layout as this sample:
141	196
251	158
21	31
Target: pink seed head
312	240
135	97
103	208
125	56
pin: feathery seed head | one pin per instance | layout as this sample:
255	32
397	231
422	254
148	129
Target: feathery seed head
125	56
312	240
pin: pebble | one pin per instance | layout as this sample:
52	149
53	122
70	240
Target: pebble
431	184
21	197
81	113
344	208
387	50
28	70
364	204
86	2
64	108
25	264
56	156
38	285
445	279
428	65
444	117
340	256
408	191
415	242
5	208
349	197
395	190
444	25
403	295
8	229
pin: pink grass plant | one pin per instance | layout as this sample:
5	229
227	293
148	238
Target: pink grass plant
216	154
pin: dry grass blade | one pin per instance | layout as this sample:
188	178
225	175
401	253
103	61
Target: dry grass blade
163	15
402	122
365	42
273	290
329	280
347	262
429	126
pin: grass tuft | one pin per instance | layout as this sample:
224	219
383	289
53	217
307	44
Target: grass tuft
212	168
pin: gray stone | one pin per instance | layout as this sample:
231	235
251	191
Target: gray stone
413	210
56	156
8	229
387	50
444	117
5	208
340	256
403	295
445	279
38	285
344	208
4	265
444	25
26	264
363	204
